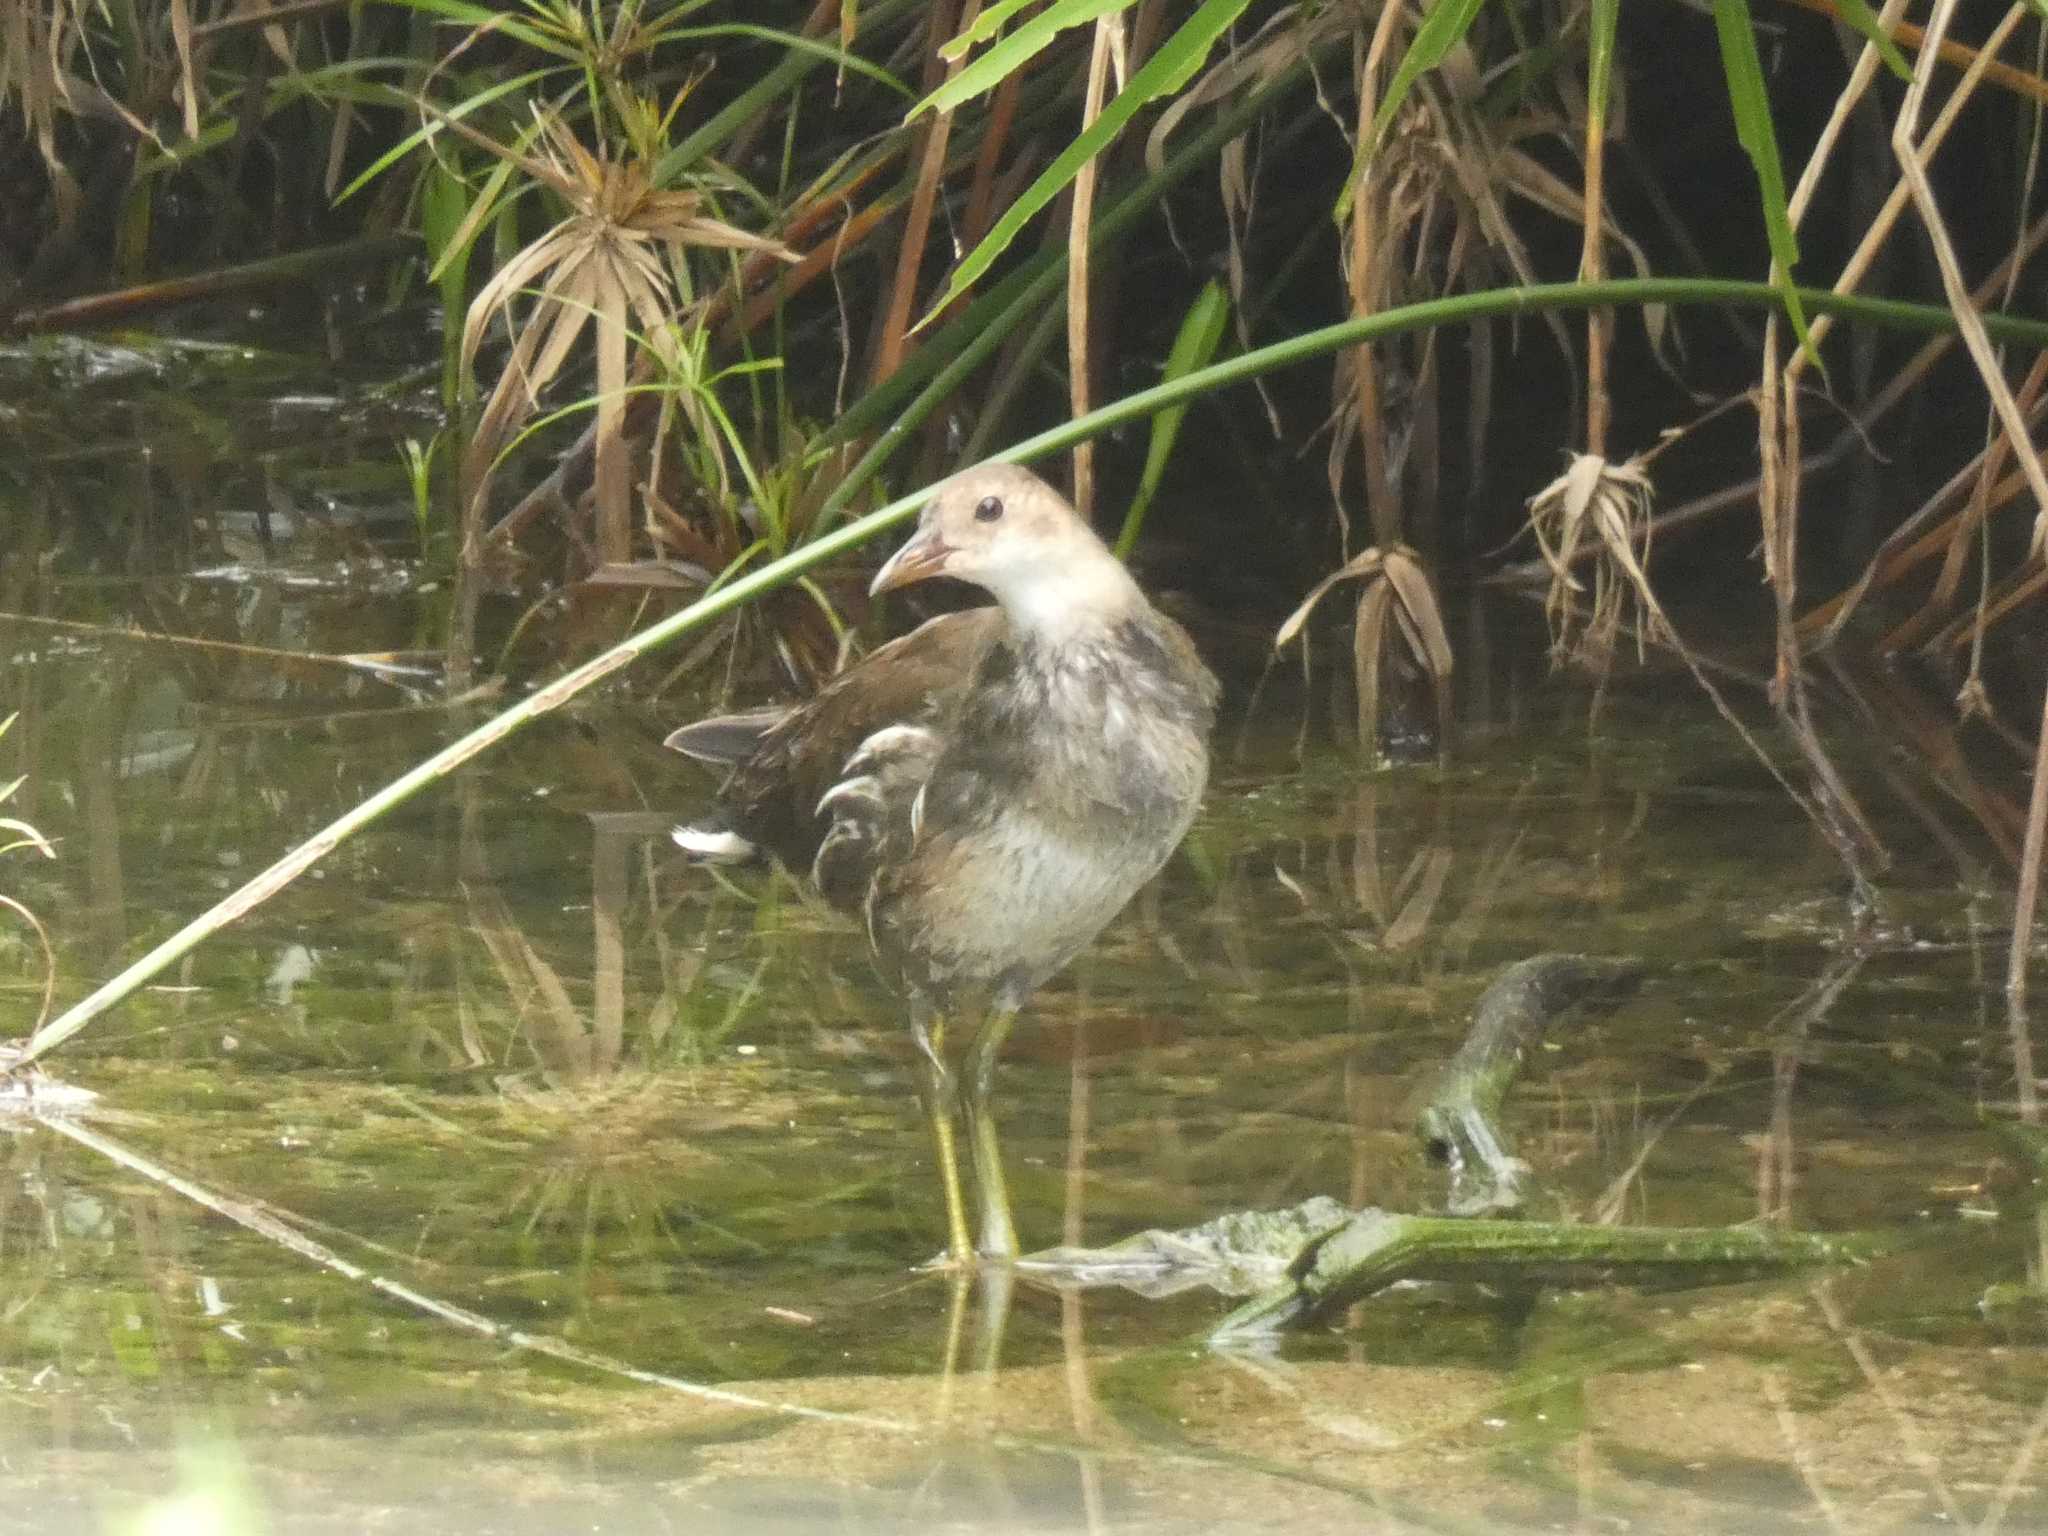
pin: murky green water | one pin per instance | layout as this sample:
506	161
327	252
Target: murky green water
618	1182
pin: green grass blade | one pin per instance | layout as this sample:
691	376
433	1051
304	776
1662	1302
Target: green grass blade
966	341
1200	331
827	53
1171	67
1442	30
486	18
1751	105
788	73
1606	16
426	131
1015	51
986	25
1864	20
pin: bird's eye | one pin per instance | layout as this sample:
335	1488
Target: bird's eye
988	509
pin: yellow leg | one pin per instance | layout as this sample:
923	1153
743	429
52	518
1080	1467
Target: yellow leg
939	1095
996	1282
998	1233
957	1283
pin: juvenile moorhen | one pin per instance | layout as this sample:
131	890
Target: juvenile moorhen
986	792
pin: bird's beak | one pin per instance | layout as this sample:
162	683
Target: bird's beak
925	555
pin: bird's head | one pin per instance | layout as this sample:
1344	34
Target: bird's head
1004	529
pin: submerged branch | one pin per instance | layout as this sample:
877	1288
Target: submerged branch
1459	1120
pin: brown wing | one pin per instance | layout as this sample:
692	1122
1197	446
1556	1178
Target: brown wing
772	796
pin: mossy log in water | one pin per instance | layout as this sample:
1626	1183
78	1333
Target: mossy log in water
1459	1121
1308	1260
1316	1257
1375	1249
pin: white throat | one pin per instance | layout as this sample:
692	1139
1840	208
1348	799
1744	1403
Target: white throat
1059	601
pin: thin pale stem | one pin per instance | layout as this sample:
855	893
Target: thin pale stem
1106	30
1858	265
1593	252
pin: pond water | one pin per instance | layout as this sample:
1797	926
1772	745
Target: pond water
505	1175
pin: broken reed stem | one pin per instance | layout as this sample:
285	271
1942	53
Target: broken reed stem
1245	366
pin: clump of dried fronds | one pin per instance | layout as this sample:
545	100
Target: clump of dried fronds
1597	515
1398	599
616	260
15	835
41	77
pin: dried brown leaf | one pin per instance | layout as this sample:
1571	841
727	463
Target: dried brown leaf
1365	563
1418	602
1368	637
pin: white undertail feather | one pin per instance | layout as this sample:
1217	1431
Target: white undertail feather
713	847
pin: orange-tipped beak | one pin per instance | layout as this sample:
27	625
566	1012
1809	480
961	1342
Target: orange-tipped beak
924	556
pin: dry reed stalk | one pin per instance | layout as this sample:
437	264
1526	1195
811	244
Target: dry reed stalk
1978	344
1108	44
2013	594
895	333
1985	496
1778	423
808	218
1002	116
1593	252
1928	532
1780	490
816	262
1900	551
1364	281
1777	509
376	664
1962	55
1857	267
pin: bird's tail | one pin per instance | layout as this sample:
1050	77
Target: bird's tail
712	844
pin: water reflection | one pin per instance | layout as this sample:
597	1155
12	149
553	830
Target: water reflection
579	1132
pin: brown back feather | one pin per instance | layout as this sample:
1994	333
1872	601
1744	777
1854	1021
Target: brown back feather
919	679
